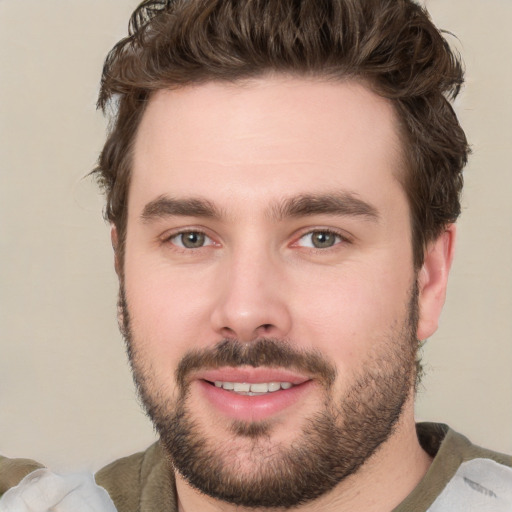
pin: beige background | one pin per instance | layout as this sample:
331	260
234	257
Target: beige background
66	396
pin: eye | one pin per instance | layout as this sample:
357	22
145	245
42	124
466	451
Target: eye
320	239
191	240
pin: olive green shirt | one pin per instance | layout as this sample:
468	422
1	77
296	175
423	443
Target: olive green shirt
461	474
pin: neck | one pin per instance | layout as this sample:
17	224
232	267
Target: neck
381	484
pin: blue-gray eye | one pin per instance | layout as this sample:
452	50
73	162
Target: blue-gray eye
191	240
320	239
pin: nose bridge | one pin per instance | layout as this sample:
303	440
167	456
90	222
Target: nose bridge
251	302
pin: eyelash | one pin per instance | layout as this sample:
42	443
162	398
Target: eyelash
173	236
342	239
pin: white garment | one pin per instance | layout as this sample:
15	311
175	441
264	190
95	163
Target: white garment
44	491
479	485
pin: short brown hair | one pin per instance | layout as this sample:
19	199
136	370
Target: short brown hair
390	44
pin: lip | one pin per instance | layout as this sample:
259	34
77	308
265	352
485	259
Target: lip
252	375
252	408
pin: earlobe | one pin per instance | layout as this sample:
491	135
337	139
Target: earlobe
433	280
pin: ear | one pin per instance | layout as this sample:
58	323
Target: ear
114	237
432	281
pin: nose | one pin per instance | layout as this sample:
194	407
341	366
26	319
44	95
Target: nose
252	298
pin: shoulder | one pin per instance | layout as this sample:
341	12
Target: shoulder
139	482
12	471
444	443
461	474
482	479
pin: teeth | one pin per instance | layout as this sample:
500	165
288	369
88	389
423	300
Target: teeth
241	387
257	388
274	386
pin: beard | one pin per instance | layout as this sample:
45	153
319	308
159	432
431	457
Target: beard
333	444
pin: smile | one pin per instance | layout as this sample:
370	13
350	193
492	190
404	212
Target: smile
255	389
253	394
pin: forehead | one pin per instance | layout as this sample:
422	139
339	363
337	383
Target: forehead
263	138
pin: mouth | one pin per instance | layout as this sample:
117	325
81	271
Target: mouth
252	394
255	389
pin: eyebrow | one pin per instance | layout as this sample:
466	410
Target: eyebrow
340	203
303	205
165	206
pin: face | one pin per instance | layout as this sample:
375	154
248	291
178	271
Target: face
268	293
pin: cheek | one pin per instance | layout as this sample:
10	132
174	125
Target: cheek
168	310
350	313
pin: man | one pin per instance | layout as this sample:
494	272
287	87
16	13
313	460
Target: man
282	182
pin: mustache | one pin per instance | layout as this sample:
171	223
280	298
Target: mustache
267	352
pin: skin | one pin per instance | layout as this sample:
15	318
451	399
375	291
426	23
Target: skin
245	148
